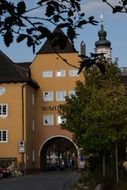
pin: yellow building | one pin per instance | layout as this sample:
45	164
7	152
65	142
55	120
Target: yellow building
30	95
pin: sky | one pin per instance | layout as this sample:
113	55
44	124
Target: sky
114	24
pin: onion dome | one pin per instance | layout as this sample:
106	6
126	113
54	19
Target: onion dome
102	42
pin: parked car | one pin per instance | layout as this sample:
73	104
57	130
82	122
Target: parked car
5	172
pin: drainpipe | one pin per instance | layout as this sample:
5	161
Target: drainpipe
23	126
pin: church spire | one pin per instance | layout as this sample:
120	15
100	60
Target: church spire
103	45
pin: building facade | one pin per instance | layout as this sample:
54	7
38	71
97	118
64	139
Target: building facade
30	95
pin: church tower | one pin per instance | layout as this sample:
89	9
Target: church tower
103	45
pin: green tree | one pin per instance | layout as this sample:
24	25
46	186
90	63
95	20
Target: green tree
96	114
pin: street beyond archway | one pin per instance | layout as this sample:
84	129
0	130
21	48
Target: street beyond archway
58	152
59	180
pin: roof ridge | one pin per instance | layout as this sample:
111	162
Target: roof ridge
6	57
20	68
10	71
55	45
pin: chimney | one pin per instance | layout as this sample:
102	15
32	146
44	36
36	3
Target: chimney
83	48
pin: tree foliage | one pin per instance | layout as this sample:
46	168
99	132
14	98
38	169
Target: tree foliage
96	114
16	20
119	6
19	22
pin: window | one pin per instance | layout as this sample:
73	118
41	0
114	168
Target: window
59	120
33	99
71	92
33	125
3	136
33	156
48	96
73	73
3	110
2	90
47	74
48	119
61	73
60	95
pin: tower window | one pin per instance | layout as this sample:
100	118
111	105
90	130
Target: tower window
48	96
73	73
60	95
48	119
60	73
59	120
71	92
47	74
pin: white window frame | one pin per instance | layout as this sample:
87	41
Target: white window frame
73	73
59	120
3	113
71	92
48	96
2	136
60	95
48	119
60	73
47	74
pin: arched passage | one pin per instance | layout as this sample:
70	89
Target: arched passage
58	153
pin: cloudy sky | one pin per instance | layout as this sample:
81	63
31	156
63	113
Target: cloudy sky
115	25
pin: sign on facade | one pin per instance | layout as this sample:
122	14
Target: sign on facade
21	146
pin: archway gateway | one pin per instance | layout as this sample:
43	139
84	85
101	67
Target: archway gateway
58	153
